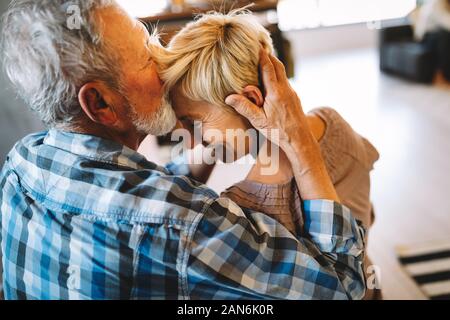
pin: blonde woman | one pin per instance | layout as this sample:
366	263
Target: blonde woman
217	56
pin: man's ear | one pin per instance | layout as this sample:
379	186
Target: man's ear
254	95
93	100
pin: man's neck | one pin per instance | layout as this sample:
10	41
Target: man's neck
131	138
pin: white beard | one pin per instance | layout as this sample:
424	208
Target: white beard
158	124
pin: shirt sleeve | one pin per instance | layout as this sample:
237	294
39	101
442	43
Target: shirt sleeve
237	253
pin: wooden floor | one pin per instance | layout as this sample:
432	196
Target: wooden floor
410	126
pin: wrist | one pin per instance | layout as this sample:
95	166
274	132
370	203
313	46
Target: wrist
309	169
272	166
300	145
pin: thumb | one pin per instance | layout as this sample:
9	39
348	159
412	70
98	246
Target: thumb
244	107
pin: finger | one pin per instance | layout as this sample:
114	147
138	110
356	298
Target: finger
280	69
268	73
245	107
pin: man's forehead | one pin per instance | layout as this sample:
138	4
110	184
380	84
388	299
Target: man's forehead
117	23
123	34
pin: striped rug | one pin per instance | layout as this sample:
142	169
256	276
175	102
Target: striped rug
429	266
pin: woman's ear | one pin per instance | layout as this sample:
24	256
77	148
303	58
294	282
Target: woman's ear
93	100
254	95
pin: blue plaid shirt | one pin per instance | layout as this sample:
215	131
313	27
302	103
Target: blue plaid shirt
86	218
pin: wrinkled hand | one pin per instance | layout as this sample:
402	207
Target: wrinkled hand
282	109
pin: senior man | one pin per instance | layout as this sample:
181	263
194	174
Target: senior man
84	216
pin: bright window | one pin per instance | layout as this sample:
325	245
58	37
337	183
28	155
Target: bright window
143	8
299	14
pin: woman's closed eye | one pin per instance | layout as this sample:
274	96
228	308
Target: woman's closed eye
187	123
191	123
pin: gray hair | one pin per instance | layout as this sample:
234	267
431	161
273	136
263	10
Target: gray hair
50	49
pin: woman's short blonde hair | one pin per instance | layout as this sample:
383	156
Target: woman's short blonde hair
216	56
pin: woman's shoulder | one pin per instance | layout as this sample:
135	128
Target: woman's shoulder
339	138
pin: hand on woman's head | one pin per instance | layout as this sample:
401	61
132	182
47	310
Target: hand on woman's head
282	109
